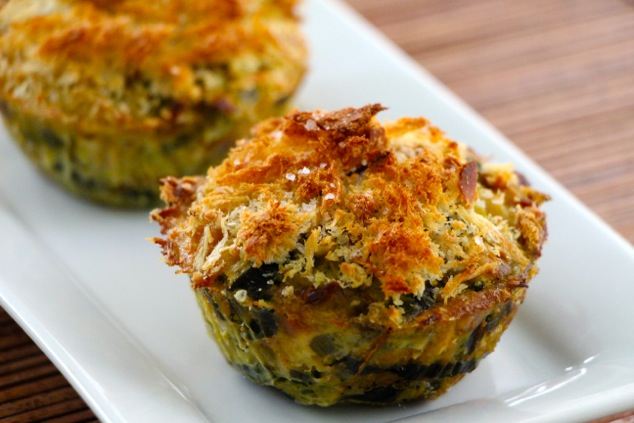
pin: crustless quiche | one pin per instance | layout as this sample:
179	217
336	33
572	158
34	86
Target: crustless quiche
108	96
339	259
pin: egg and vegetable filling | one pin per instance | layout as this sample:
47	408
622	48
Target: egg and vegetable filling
339	259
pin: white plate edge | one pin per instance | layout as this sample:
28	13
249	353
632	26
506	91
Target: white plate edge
74	372
459	106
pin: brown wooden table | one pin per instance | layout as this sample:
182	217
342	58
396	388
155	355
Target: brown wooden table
555	76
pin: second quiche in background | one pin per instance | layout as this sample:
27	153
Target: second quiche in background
107	96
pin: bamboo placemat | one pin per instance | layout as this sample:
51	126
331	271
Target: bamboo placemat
555	76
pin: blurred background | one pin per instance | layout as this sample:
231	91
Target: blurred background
555	76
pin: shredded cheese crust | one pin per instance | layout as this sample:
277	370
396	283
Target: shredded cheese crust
399	205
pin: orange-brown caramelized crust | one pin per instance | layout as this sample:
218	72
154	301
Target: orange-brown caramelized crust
340	197
177	32
139	62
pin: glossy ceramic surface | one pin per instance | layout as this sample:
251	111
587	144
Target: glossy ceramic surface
92	291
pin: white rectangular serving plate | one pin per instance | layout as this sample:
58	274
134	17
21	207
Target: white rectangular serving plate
92	292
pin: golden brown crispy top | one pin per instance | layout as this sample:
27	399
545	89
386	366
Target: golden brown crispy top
160	35
340	197
186	50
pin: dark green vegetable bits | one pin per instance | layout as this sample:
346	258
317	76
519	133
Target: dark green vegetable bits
415	305
264	323
379	395
416	371
324	345
258	281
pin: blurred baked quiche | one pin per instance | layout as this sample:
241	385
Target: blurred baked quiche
108	96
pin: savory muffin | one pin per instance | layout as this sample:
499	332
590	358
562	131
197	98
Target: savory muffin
342	260
108	96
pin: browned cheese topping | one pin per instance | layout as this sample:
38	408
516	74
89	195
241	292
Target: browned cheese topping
340	197
139	62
